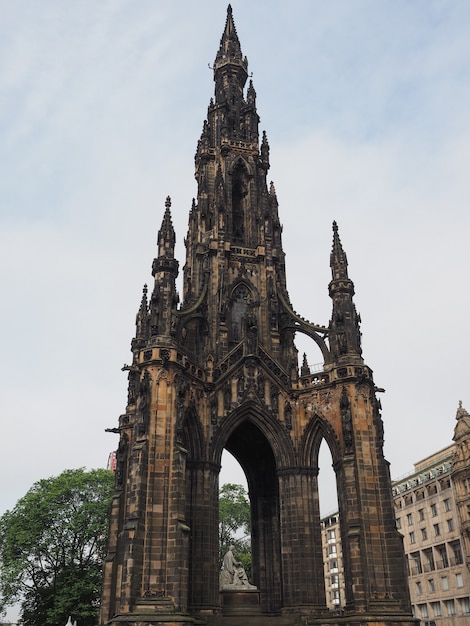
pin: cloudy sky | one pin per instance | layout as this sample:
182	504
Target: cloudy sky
366	107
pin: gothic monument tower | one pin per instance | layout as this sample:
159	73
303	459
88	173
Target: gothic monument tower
220	371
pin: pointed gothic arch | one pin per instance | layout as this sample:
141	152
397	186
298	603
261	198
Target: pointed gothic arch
261	446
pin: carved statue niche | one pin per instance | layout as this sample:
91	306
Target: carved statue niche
131	389
143	411
288	415
346	419
239	202
241	299
251	326
274	399
121	456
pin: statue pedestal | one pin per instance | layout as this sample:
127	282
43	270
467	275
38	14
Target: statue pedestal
239	601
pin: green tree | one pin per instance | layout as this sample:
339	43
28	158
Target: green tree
52	546
235	523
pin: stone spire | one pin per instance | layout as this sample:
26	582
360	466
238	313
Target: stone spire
338	260
142	319
164	300
230	51
166	234
345	336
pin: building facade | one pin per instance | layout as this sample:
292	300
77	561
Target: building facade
220	371
333	562
432	508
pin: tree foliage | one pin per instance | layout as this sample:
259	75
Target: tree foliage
52	546
235	523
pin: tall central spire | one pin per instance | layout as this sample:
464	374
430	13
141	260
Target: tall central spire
234	233
230	49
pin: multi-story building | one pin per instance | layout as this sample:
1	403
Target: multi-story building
333	562
427	516
432	506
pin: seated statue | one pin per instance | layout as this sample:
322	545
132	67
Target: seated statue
233	573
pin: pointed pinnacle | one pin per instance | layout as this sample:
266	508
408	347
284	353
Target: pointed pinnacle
167	232
229	42
143	302
338	256
166	222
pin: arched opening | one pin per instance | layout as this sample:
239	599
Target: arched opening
331	530
327	489
252	451
234	513
310	358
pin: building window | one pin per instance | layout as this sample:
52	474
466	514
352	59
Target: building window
429	562
409	519
412	537
398	520
334	580
332	550
465	605
447	504
445	583
415	564
334	597
419	589
333	565
331	536
424	534
437	530
459	580
443	560
431	585
421	514
423	608
457	558
434	510
436	607
450	525
450	606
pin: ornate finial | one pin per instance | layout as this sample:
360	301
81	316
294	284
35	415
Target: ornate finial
251	93
166	235
461	412
143	302
265	151
305	369
338	259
